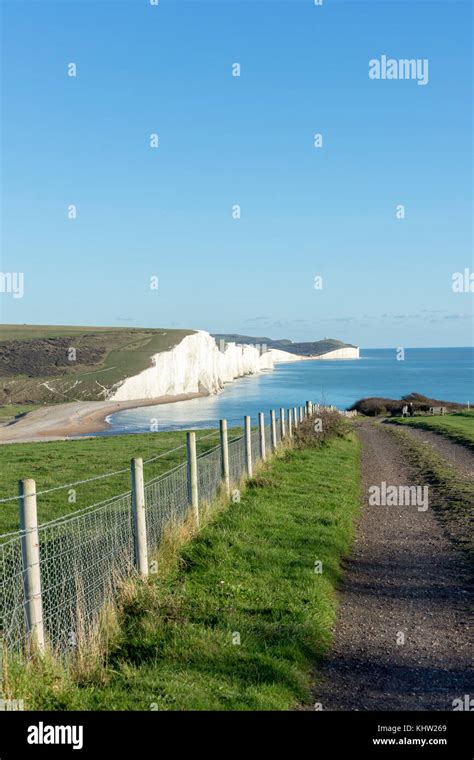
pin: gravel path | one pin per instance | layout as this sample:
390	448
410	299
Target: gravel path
404	576
460	456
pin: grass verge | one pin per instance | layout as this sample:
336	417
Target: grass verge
238	617
458	427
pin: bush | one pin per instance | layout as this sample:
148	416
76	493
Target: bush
374	406
316	430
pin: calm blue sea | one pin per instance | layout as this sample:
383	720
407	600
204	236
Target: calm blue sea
443	373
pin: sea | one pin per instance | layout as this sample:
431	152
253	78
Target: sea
442	373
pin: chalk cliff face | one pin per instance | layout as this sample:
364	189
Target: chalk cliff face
197	365
349	352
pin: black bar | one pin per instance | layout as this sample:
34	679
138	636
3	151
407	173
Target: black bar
110	735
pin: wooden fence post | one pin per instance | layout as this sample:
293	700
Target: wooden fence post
31	564
261	431
193	495
273	429
225	456
282	423
290	424
139	517
248	446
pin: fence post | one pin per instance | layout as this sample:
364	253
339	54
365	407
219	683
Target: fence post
308	403
139	519
225	456
248	446
193	495
273	429
301	414
261	430
295	417
290	416
282	423
31	563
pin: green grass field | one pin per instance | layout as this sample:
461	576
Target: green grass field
238	622
459	426
55	463
30	332
9	411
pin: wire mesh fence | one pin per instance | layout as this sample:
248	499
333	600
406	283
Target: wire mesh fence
255	446
83	560
268	440
209	474
278	431
12	600
237	463
166	499
86	556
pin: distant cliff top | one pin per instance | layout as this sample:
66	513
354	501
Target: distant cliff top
57	363
314	348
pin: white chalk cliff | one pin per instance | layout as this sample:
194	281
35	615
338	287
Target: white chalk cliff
348	352
195	365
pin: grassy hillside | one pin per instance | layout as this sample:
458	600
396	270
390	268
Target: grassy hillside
41	363
314	348
239	619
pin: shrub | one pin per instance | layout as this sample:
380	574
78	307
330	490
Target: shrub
316	430
374	406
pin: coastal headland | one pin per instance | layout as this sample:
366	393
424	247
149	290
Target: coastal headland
83	375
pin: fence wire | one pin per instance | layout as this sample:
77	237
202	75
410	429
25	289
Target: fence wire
255	446
209	474
278	431
84	557
268	440
166	500
237	465
12	599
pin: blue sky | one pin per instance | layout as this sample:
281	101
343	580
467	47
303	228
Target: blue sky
247	140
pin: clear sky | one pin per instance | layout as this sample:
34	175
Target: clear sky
166	212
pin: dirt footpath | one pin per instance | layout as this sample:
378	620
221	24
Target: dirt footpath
402	639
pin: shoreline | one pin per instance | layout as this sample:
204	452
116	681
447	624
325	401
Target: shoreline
77	419
59	422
